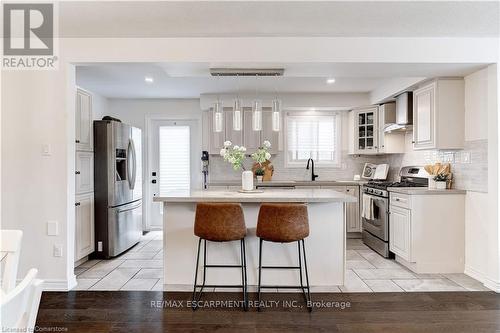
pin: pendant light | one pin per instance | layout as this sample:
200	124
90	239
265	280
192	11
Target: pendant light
256	111
276	111
276	119
237	109
218	113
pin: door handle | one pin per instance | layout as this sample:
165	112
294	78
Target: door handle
77	204
77	172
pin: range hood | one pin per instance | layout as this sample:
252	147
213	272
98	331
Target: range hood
404	113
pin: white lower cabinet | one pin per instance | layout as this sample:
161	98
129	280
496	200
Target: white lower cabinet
353	220
400	232
84	225
352	210
426	231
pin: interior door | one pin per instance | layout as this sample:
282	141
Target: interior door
174	163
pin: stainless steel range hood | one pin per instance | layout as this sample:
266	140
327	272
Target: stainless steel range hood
404	113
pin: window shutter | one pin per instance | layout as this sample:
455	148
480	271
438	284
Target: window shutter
314	137
175	173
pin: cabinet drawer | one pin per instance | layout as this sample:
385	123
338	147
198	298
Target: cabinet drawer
400	200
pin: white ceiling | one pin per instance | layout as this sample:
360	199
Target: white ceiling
278	18
190	80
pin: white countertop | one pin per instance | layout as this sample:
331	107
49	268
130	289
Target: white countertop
268	195
296	183
424	191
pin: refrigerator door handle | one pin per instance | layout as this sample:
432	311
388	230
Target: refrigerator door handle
129	209
132	160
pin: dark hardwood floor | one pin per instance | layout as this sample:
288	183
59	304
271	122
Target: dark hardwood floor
121	311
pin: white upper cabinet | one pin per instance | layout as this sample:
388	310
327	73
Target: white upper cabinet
83	119
251	138
267	132
365	130
84	172
438	115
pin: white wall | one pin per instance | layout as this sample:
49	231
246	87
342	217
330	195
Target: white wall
38	107
482	257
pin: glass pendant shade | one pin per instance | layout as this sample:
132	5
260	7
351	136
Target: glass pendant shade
276	119
218	117
257	116
237	111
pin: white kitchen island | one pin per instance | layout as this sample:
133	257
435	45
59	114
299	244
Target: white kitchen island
325	246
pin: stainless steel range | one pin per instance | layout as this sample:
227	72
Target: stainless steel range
375	207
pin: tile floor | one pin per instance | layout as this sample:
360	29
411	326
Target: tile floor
141	268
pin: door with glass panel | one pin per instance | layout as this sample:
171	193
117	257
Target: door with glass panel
172	167
366	131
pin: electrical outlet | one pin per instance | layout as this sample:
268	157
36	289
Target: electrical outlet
58	250
52	228
99	246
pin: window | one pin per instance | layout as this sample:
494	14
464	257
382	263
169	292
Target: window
175	173
313	136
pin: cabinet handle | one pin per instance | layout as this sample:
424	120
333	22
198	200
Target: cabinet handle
397	199
77	204
413	142
77	172
77	141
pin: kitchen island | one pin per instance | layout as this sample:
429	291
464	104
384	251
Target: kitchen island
325	245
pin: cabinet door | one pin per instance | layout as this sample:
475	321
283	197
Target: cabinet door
216	139
236	137
84	173
251	138
267	132
83	119
366	130
423	117
380	126
352	210
84	225
400	232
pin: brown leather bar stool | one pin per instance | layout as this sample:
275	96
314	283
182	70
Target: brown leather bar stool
284	223
219	222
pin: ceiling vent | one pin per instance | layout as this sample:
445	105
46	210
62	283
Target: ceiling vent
247	71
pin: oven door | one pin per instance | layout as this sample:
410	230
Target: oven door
379	225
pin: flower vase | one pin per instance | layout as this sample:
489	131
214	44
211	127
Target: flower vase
247	180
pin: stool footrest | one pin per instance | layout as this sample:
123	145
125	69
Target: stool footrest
284	287
223	266
220	286
281	267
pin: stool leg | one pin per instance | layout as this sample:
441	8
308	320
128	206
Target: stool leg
309	305
196	275
260	271
244	274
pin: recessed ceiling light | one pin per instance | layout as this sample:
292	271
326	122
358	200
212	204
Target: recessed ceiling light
148	79
330	80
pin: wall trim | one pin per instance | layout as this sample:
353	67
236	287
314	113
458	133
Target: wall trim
59	284
481	277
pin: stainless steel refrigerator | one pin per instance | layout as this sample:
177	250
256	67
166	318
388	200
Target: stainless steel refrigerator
117	186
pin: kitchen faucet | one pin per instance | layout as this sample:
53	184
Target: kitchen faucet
313	176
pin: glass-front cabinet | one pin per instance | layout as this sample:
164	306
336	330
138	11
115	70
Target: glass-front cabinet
365	130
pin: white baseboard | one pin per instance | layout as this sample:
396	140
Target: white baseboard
481	277
59	285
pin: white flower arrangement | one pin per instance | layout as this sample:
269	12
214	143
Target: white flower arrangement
233	154
262	154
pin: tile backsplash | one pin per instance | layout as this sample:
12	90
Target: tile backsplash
469	166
